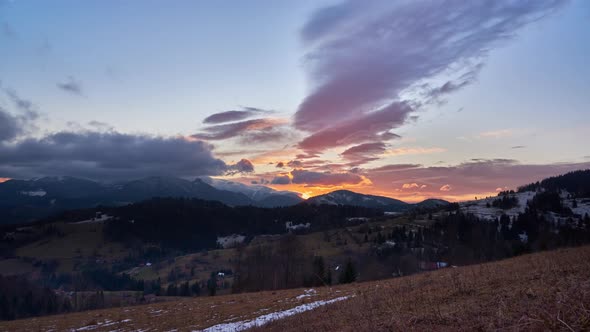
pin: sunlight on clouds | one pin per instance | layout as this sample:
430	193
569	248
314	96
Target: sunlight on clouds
407	151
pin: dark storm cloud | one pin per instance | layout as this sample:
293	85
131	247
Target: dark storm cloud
111	155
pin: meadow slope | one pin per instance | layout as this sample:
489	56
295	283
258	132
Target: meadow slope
549	290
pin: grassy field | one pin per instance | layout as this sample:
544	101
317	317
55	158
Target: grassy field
544	291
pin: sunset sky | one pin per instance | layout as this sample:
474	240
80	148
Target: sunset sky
406	99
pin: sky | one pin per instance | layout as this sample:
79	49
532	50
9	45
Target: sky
406	99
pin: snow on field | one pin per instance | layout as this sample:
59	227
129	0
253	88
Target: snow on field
290	226
307	293
230	241
480	209
264	319
101	218
101	325
582	208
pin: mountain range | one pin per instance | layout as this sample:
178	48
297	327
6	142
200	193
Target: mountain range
29	200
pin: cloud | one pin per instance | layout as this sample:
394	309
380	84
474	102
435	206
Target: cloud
111	155
71	85
242	166
234	115
7	30
502	133
281	179
396	168
518	147
280	164
362	56
478	176
21	104
446	187
410	185
295	164
10	126
231	130
373	126
327	179
363	150
409	151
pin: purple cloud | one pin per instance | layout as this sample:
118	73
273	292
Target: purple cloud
234	115
361	60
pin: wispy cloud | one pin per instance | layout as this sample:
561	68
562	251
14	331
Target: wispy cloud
414	150
235	129
501	133
363	56
71	85
235	115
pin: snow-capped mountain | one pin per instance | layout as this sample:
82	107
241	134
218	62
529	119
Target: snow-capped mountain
27	200
346	197
262	196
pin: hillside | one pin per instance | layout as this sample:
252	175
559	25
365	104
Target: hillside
529	292
347	197
576	183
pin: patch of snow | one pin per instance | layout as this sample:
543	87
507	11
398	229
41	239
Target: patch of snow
480	209
100	325
230	241
357	219
307	293
265	319
34	193
391	213
294	227
524	238
389	243
100	219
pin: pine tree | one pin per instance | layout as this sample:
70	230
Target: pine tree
348	274
196	289
212	284
172	290
184	289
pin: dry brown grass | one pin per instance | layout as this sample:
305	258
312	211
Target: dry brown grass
546	291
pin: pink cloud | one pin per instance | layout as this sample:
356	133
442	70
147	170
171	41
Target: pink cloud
365	127
363	56
475	177
446	187
329	179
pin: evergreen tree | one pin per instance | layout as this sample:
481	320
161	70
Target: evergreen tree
196	289
212	284
319	271
348	274
184	289
172	290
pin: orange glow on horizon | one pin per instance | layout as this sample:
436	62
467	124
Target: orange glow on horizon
411	197
4	179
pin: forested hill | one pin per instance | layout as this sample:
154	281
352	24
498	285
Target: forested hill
577	183
195	224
